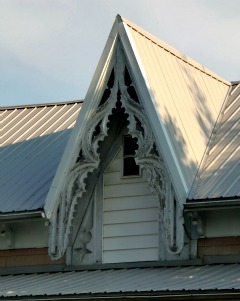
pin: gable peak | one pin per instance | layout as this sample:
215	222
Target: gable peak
119	18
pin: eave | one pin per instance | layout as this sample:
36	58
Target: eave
179	295
176	283
214	204
23	215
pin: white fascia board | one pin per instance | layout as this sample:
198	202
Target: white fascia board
163	140
72	148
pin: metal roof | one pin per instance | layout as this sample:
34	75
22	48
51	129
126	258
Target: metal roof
33	139
219	176
181	98
137	280
187	96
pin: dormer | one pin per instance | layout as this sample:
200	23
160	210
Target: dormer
133	103
118	187
118	194
146	178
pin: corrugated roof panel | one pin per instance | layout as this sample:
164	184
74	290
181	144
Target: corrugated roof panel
35	138
220	173
137	280
188	97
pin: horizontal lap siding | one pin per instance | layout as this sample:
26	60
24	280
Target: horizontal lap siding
126	190
114	230
130	242
130	217
148	254
142	201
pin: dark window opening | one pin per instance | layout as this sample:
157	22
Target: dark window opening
80	156
139	126
97	131
111	80
105	96
127	78
130	168
107	91
132	93
154	150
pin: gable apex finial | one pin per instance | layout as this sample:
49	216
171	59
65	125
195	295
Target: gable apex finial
119	18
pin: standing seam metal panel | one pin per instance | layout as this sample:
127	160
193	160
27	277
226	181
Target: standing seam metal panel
204	98
29	158
165	279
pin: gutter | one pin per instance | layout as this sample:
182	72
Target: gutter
9	216
212	205
230	294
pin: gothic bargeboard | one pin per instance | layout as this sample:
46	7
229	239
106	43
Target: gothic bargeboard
119	91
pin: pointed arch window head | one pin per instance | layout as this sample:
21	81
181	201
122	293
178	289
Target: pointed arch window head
130	168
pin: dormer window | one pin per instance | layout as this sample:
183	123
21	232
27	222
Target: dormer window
130	168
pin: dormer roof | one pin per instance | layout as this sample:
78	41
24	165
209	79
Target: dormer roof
191	110
181	98
219	174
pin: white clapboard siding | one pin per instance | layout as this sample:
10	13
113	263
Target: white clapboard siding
115	166
132	255
114	177
142	201
129	242
114	230
129	189
130	217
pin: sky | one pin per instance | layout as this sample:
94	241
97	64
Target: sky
49	49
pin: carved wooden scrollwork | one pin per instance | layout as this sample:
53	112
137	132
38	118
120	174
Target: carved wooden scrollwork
85	234
119	88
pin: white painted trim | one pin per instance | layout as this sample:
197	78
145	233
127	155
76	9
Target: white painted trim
97	226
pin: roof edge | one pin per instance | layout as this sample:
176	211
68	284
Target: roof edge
236	82
5	216
214	204
39	269
173	51
47	104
